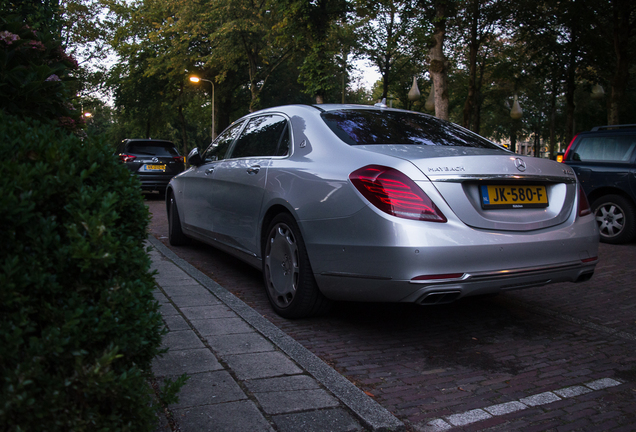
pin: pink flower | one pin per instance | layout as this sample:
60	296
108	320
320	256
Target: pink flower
53	78
67	58
8	37
37	45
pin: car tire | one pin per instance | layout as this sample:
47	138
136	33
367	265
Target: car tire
616	219
176	237
289	281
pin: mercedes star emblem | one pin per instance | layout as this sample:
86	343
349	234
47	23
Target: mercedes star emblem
520	164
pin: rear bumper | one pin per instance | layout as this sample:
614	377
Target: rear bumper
368	260
154	181
359	288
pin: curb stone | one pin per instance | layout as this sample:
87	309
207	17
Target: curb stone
368	412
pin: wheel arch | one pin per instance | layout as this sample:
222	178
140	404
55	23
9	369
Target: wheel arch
608	190
269	215
169	193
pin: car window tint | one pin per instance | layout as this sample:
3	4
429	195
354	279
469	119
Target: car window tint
152	149
363	127
218	148
262	137
609	148
285	142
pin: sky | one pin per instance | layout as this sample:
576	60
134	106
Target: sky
368	73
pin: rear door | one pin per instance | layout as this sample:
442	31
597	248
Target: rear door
239	181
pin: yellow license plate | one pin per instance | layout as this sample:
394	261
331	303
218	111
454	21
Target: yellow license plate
506	196
156	167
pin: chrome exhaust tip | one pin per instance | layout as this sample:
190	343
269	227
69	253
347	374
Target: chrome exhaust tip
438	297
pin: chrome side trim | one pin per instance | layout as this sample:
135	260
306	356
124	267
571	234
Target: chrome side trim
498	177
240	253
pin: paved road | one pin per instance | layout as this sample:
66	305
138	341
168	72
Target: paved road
560	357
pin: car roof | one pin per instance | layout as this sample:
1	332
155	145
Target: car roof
613	127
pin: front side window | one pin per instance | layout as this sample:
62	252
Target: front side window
218	148
364	127
606	148
266	135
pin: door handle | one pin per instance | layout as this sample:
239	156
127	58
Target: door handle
209	171
254	169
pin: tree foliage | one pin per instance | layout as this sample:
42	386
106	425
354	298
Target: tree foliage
480	53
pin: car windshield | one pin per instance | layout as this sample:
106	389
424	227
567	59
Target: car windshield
153	149
364	127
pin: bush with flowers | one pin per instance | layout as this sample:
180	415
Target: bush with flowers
79	326
35	75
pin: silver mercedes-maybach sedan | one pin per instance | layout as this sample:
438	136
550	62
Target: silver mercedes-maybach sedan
344	202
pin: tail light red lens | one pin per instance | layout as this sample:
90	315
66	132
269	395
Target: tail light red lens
127	158
179	158
567	151
394	193
584	205
438	277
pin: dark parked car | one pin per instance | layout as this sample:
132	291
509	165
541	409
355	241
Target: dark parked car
605	162
154	161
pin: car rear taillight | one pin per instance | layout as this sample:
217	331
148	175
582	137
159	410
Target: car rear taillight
179	158
394	193
584	205
127	158
567	151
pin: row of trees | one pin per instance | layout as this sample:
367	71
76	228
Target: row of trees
475	55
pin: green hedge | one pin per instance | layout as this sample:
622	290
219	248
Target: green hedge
78	324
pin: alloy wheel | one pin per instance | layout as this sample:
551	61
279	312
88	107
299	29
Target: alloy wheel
282	267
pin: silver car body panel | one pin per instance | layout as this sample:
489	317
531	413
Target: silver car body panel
358	252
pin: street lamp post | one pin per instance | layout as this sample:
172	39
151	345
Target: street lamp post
196	79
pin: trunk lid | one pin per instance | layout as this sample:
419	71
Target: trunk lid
494	189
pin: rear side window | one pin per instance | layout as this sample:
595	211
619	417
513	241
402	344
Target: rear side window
364	127
152	148
266	135
618	148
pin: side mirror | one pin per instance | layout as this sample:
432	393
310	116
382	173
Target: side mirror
194	158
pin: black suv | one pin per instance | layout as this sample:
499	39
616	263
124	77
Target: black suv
154	161
605	162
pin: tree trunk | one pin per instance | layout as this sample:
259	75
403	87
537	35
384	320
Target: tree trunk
252	59
438	67
184	136
553	101
621	33
469	105
570	83
478	97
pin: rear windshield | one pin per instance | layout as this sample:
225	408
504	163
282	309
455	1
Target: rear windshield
363	127
158	148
